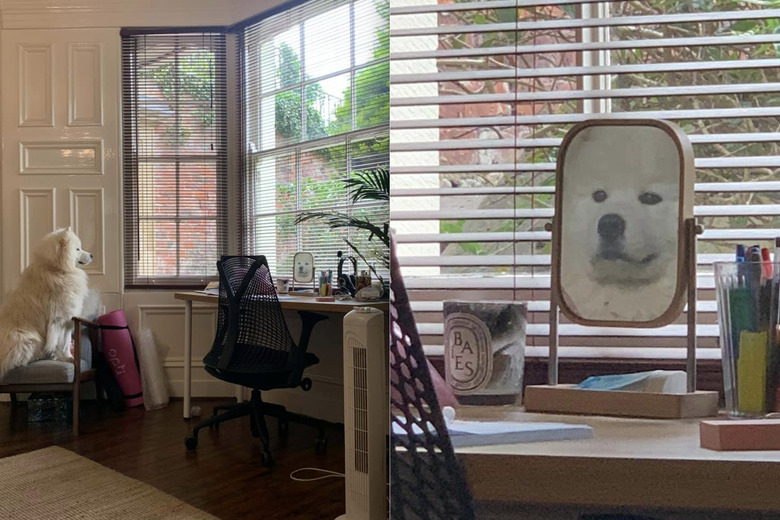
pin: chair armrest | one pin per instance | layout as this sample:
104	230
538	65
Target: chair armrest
81	321
78	322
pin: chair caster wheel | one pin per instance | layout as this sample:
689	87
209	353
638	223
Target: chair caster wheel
306	384
284	427
321	444
191	442
267	459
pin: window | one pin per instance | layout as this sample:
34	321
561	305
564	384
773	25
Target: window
175	158
316	101
482	94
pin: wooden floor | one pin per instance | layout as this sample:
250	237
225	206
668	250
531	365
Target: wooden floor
223	477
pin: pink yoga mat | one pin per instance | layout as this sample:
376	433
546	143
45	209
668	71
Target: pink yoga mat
119	351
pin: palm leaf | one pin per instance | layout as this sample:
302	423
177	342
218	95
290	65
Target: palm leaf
369	185
337	220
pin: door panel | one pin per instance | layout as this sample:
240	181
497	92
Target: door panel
61	146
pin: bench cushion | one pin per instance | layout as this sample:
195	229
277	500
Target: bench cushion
45	371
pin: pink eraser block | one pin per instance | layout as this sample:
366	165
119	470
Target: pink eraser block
757	434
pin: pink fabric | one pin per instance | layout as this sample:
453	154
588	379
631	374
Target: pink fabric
120	354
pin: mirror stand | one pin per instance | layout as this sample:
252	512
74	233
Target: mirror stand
557	398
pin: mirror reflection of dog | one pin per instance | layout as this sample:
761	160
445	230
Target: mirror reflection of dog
619	233
35	319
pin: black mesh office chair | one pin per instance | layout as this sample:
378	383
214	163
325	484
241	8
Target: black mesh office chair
253	348
426	481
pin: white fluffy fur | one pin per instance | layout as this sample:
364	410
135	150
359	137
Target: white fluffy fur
624	163
35	319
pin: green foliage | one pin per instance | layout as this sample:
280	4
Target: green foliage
372	85
288	103
364	186
195	70
369	185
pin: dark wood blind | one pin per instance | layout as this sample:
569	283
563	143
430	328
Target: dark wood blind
175	157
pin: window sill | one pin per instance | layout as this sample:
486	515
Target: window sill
576	369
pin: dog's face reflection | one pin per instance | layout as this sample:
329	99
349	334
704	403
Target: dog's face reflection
627	234
622	211
303	267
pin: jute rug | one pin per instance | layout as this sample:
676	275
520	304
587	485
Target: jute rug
54	483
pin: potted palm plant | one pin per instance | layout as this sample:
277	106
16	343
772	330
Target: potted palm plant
364	186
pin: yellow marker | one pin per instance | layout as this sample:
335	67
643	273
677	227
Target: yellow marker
751	372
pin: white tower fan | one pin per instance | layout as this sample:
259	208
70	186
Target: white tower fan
366	414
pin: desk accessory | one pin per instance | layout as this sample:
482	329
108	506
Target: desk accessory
303	268
623	254
747	296
484	346
751	434
464	434
654	381
282	285
347	282
326	283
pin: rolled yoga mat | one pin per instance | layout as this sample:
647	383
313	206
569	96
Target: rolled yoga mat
119	351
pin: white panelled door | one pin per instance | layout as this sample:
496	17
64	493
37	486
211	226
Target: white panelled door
60	127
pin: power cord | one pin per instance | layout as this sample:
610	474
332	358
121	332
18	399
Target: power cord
327	474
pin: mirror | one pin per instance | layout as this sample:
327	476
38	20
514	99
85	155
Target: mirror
303	268
623	191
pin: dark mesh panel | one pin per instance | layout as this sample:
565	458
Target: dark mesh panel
426	481
263	342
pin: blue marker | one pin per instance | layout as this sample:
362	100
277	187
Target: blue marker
740	266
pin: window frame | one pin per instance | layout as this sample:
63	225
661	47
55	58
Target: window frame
132	161
248	157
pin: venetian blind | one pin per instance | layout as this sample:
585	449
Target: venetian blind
174	157
483	92
316	106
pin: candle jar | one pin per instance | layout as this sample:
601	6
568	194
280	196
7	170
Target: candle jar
484	350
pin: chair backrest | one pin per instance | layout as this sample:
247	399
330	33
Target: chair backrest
426	481
252	334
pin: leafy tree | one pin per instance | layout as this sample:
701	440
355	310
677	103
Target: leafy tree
195	70
372	84
288	103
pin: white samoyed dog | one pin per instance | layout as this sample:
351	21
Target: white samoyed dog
35	319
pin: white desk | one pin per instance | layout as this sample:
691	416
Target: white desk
295	303
639	463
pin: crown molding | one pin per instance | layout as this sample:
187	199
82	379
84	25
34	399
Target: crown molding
48	14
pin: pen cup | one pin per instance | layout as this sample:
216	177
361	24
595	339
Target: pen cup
747	296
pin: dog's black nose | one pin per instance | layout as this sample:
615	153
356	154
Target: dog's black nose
91	256
611	227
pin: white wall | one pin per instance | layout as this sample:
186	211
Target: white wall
61	164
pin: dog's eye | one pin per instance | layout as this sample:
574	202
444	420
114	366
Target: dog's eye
599	195
650	198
